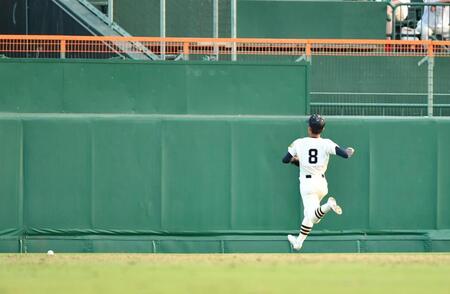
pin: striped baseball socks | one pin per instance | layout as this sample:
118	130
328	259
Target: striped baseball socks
306	227
320	212
304	232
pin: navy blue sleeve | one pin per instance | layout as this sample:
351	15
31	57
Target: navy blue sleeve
287	158
341	152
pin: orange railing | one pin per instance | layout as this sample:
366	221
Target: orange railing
105	47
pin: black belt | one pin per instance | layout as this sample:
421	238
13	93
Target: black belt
309	176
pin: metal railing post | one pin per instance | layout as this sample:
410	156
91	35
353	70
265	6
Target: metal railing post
186	50
394	11
63	49
216	26
430	76
162	27
233	28
308	51
111	11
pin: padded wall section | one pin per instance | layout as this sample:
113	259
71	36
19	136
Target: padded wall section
57	174
28	87
168	175
441	180
410	178
196	161
126	186
55	86
9	244
434	241
11	161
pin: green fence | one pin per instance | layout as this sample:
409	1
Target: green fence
195	18
387	86
184	18
215	184
136	157
54	86
311	19
255	18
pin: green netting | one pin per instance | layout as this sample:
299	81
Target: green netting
184	18
386	86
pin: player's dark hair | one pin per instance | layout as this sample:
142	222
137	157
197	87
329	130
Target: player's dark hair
316	123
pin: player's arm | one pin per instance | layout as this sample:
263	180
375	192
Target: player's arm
288	158
345	153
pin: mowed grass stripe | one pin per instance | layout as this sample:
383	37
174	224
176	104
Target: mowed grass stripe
224	273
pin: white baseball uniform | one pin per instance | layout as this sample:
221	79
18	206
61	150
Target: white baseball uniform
313	155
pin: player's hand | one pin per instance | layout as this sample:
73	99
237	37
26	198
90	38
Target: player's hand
350	151
295	161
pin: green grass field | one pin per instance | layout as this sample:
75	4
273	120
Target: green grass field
228	273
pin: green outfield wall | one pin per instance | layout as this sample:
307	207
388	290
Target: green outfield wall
83	169
54	86
174	183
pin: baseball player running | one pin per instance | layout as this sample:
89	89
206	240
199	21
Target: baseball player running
311	154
